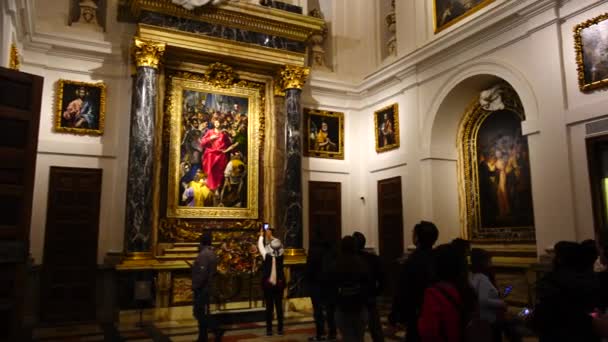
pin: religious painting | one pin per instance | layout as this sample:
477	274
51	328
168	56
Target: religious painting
81	107
494	162
214	148
449	12
591	44
325	132
386	126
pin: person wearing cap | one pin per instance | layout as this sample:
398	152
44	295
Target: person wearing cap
273	277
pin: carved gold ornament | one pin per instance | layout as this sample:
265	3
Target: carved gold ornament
148	54
293	77
597	79
14	58
220	75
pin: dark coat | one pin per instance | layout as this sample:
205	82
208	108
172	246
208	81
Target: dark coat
565	300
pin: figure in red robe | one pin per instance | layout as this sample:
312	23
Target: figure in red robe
215	143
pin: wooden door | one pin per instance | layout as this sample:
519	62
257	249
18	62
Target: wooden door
20	96
597	158
70	245
325	209
390	227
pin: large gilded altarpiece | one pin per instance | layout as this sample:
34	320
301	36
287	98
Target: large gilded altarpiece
210	77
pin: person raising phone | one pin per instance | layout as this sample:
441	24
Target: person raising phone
273	277
491	307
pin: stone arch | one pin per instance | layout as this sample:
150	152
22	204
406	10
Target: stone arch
448	105
442	117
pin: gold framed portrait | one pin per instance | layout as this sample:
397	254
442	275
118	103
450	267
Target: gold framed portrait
591	44
214	148
81	107
325	134
448	12
386	128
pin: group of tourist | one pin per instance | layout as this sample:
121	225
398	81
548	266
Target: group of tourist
439	295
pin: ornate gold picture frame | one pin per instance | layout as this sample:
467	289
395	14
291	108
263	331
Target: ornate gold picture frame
448	12
495	190
216	131
591	44
386	128
325	132
81	107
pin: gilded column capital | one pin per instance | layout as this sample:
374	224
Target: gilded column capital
148	53
292	77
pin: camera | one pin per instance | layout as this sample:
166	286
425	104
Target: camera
266	226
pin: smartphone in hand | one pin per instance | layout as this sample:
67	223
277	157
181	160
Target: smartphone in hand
507	291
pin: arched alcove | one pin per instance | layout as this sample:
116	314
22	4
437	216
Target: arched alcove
440	150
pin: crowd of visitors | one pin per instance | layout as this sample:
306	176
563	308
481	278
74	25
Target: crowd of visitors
446	293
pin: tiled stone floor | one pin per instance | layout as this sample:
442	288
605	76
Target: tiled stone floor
298	327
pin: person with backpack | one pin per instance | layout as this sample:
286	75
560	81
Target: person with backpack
350	278
449	304
492	307
566	299
376	286
416	275
319	257
203	272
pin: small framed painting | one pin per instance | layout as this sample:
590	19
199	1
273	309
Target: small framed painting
591	44
325	132
386	125
449	12
81	107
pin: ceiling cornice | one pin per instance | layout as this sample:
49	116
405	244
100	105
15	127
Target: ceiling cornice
521	17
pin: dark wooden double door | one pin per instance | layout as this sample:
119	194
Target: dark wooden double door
70	250
325	210
20	98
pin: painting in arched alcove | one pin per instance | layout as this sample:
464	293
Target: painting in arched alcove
494	164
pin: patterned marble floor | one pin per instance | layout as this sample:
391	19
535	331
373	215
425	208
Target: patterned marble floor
297	328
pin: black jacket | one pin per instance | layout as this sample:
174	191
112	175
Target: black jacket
565	299
417	273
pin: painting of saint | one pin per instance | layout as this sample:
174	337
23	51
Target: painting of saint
505	194
592	53
448	12
386	122
80	107
213	153
325	132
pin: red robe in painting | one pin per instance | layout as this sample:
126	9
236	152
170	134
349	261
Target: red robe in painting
214	159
